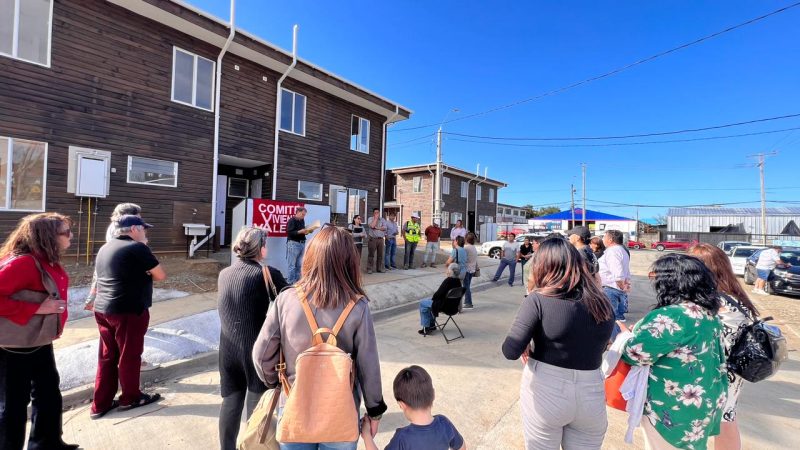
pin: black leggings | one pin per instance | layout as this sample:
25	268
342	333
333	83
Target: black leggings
29	375
230	416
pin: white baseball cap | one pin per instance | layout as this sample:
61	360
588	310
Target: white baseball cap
415	215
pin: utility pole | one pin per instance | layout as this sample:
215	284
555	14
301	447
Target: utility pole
583	220
761	163
572	203
437	203
637	224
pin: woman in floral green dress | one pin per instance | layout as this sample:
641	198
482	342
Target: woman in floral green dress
680	339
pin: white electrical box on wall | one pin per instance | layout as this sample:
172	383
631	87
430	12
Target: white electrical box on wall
88	172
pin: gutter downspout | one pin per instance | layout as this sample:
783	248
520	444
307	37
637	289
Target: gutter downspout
218	94
485	173
466	205
383	155
433	195
278	113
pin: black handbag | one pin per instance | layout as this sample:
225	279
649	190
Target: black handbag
759	351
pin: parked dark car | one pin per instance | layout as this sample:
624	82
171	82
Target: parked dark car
783	279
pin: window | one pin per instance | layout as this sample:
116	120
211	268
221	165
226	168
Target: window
356	204
308	190
359	134
445	220
293	112
192	79
464	189
417	182
480	218
23	174
238	187
489	219
491	195
456	217
478	193
446	185
25	30
152	171
499	210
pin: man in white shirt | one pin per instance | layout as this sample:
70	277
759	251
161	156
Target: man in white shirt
615	273
767	260
509	259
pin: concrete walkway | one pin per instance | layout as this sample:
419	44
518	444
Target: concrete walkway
475	387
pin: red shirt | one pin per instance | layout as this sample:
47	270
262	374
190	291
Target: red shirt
21	274
433	233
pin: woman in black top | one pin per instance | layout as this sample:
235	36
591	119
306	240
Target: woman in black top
244	296
561	331
525	254
358	232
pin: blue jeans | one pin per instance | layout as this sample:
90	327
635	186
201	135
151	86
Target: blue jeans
388	256
321	446
294	259
431	249
425	314
619	301
512	267
468	291
408	258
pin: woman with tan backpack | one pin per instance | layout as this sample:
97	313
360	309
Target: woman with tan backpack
318	345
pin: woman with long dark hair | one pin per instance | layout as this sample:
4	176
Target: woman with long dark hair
30	264
330	280
736	313
680	339
561	331
246	289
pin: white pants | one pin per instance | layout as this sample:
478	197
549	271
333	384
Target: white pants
562	407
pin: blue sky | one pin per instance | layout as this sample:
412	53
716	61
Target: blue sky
474	56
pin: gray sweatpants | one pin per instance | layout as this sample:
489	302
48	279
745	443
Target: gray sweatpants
562	407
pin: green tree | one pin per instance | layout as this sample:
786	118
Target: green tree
543	211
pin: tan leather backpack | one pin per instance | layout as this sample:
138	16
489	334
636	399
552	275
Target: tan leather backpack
320	406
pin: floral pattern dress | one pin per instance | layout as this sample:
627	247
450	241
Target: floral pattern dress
688	377
735	318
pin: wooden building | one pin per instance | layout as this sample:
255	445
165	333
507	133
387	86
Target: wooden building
123	93
465	196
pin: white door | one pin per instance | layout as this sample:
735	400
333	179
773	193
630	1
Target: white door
255	188
222	197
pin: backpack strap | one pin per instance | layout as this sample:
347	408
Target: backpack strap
316	330
312	322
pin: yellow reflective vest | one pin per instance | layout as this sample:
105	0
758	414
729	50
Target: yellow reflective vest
412	231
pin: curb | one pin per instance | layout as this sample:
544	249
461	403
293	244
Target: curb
81	395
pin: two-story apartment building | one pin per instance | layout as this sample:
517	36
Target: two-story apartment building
511	214
158	103
465	196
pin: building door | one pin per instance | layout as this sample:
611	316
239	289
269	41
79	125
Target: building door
222	197
471	221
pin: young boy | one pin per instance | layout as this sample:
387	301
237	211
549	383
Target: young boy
413	390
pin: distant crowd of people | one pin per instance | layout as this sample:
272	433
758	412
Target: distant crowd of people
309	341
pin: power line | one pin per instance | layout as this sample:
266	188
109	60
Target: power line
660	190
657	133
609	73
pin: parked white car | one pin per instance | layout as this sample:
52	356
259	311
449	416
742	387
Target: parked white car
494	249
738	257
727	246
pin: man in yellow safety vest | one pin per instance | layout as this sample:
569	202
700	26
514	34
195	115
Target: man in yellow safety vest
411	232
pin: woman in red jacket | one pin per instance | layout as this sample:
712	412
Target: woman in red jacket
30	374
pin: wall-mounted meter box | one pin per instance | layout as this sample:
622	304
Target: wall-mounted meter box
88	172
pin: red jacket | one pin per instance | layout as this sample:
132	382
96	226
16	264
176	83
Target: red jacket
432	233
20	274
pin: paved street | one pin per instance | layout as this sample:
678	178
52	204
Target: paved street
476	388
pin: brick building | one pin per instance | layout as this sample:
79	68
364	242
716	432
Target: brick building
465	196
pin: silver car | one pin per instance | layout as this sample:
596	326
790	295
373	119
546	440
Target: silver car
738	257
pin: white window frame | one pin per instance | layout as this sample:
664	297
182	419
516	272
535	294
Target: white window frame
491	195
464	189
174	164
193	104
247	189
294	119
416	184
308	198
445	219
15	37
10	173
478	193
456	216
446	185
361	121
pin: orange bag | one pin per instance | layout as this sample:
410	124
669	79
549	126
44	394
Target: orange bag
613	383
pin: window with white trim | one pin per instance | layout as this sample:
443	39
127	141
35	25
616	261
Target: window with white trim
478	193
464	189
26	30
192	79
23	174
489	219
491	195
480	218
456	217
293	112
154	172
417	184
238	187
356	204
359	134
445	219
308	190
446	185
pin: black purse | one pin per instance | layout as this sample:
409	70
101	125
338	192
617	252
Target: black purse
759	350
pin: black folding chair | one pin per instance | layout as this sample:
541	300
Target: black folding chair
452	307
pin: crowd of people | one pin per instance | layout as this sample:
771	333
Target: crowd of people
272	334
